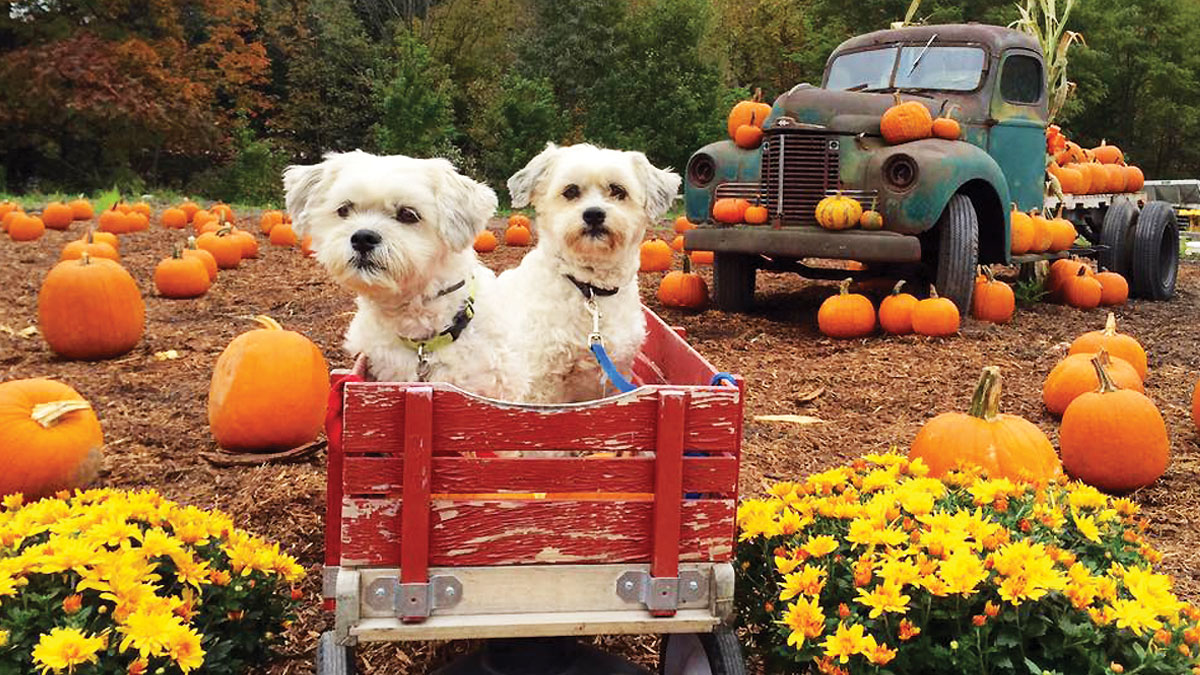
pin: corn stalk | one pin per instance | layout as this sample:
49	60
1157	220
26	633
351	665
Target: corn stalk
909	15
1041	19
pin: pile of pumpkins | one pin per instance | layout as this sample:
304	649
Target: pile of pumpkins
746	119
834	212
852	315
1100	170
1112	436
518	232
679	288
907	121
1034	233
1073	282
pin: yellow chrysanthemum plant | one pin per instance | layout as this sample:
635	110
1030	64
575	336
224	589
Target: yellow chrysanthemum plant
108	582
878	568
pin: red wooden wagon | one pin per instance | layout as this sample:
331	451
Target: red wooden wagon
444	522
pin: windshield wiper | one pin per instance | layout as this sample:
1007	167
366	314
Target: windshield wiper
921	56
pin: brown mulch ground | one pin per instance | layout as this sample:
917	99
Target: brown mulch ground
871	395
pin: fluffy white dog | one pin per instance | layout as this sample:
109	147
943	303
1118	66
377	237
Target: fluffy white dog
593	206
398	231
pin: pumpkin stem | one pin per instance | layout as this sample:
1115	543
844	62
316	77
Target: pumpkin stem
191	242
987	272
48	414
1106	384
1082	272
1058	214
844	286
89	239
1110	325
985	402
267	322
85	258
933	292
896	288
177	253
758	97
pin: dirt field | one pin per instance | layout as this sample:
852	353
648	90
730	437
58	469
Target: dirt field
871	395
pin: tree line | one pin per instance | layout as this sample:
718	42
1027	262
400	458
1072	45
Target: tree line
216	96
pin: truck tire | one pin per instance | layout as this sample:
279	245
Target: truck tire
332	658
956	238
1155	263
733	281
1116	237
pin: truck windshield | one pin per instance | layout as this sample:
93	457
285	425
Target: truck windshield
941	68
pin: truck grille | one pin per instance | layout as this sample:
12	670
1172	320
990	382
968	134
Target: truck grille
799	168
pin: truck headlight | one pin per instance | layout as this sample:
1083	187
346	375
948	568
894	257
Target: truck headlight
900	171
701	170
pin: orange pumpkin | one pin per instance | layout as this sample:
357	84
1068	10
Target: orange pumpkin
1021	232
24	227
74	250
142	208
683	289
1114	177
248	242
752	112
180	277
1042	236
225	248
105	238
701	257
1062	233
57	216
190	208
1070	180
113	220
1134	179
517	235
81	209
677	243
1084	184
993	300
730	210
222	211
1099	177
1004	446
904	122
200	218
846	315
307	249
485	242
1117	344
1082	290
655	255
895	312
935	316
520	219
175	219
283	235
7	208
260	373
1060	271
748	136
90	309
871	219
269	220
1114	289
136	221
205	258
946	127
682	224
756	215
1075	376
1108	154
50	439
1113	439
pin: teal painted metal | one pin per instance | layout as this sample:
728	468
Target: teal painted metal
1019	148
733	165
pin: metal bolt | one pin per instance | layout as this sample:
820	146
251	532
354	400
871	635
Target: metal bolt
629	585
693	586
450	592
380	592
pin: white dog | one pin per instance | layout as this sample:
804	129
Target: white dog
398	232
593	206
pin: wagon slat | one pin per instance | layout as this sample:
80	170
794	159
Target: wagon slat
668	487
414	514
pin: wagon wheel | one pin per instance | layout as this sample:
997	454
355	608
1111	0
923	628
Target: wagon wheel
1116	237
952	249
1155	257
733	281
332	658
716	653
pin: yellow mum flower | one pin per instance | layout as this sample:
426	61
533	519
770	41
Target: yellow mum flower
183	647
13	501
962	572
1135	616
64	648
918	468
1082	496
3	638
868	532
820	546
9	584
787	564
916	502
148	632
1087	527
805	618
899	571
783	489
68	554
156	542
808	581
1126	507
828	482
886	597
789	523
190	571
1152	590
847	642
987	491
879	479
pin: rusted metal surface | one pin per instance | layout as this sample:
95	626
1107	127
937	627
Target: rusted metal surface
807	242
994	38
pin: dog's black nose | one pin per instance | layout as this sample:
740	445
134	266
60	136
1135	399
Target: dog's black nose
594	216
365	240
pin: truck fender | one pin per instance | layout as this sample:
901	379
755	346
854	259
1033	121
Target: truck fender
730	164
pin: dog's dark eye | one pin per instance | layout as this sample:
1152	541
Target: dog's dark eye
617	191
344	210
572	192
407	216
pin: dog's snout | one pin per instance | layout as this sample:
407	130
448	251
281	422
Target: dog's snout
593	216
365	240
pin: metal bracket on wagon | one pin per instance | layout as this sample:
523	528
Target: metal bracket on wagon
662	593
413	602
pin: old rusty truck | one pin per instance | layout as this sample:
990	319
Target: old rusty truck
945	203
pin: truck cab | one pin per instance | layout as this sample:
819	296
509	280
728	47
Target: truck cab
945	203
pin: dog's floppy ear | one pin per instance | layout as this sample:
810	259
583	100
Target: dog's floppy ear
465	205
300	185
522	185
661	185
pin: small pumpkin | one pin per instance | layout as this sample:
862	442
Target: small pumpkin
700	257
1134	179
1099	177
50	439
846	315
248	242
7	208
180	277
1117	344
683	288
259	374
904	122
1070	180
74	250
1004	446
90	309
521	220
1114	289
81	209
1115	177
142	208
57	216
1108	154
871	219
682	224
1113	439
1075	376
136	221
268	220
656	256
190	208
1021	232
485	242
895	312
838	212
748	136
225	248
105	238
1062	233
756	214
677	243
24	227
935	316
222	211
1082	290
993	299
174	219
517	235
113	220
201	218
1084	184
946	127
751	112
205	258
282	235
1042	236
306	245
730	210
1060	271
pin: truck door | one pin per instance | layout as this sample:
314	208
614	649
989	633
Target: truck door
1017	138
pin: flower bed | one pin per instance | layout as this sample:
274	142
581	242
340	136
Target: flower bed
876	568
129	582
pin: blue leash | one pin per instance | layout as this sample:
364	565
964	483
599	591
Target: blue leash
610	369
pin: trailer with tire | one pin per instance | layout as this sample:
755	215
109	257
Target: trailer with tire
451	516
